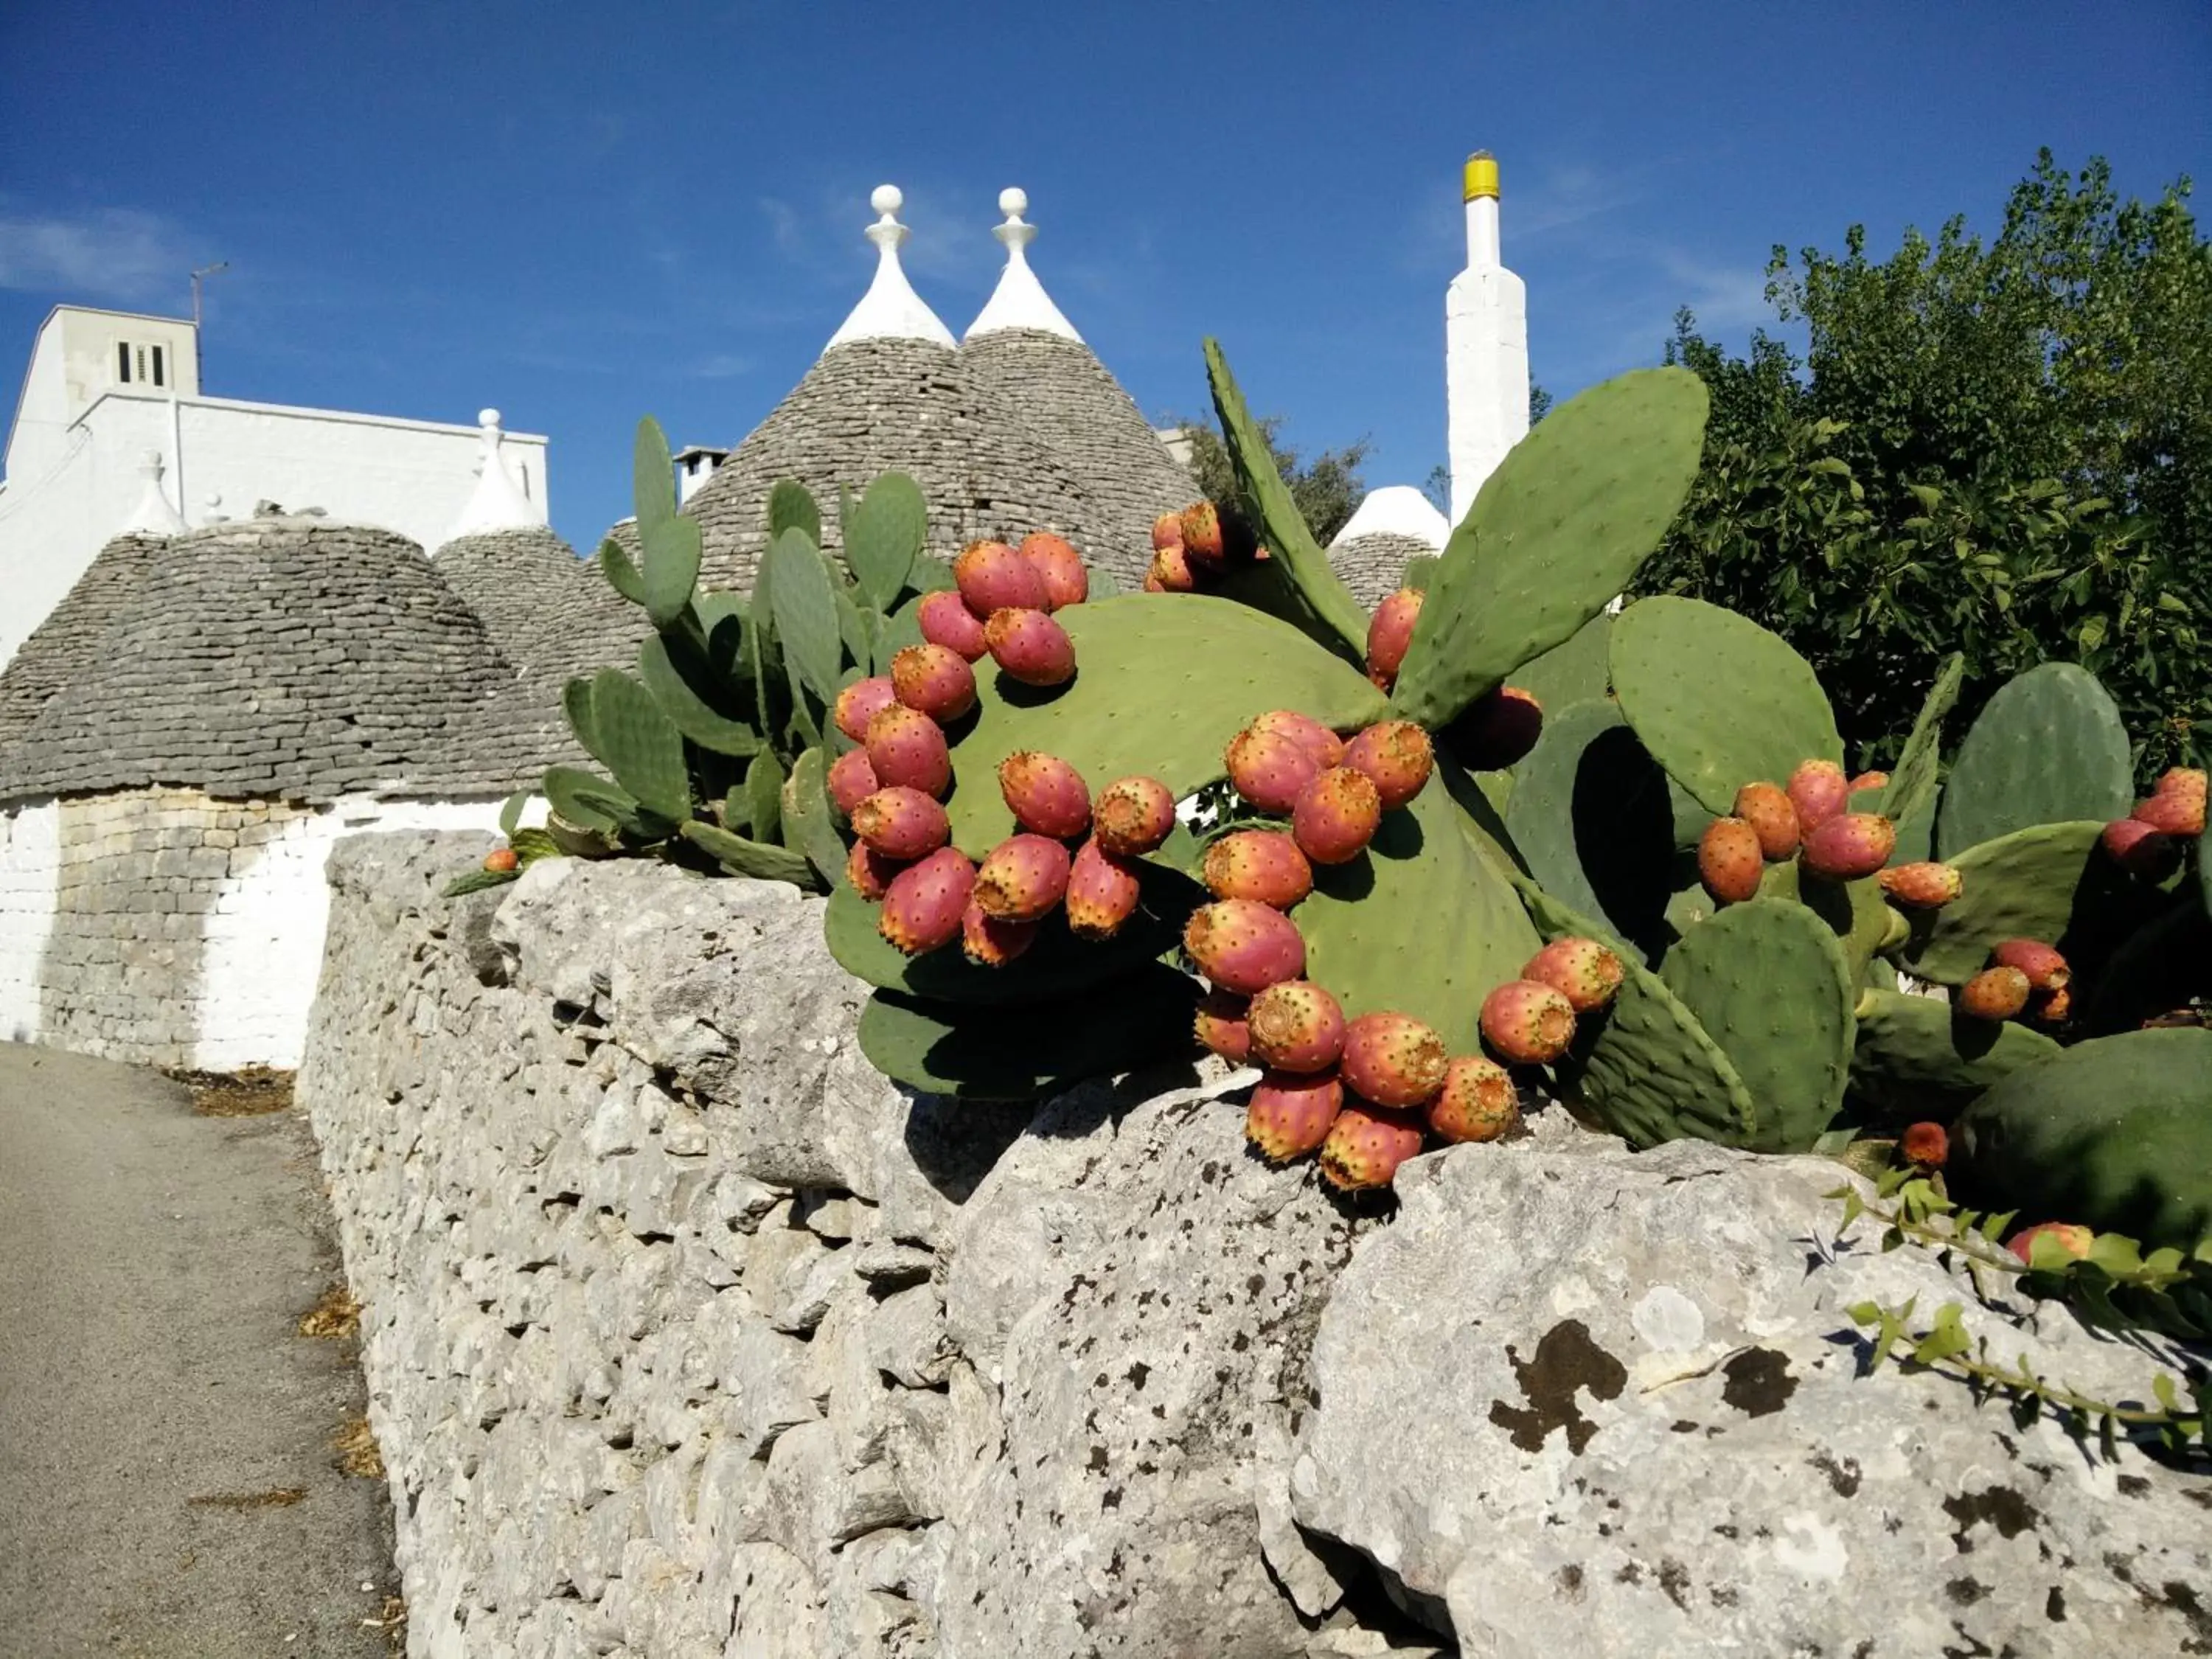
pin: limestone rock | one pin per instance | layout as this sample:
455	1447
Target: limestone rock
1149	1287
1577	1399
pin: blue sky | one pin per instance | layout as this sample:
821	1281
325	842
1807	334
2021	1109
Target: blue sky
581	213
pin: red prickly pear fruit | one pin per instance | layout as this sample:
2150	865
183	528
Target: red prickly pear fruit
2056	1008
1022	877
1876	779
1167	530
1766	807
1296	1027
2046	968
1336	816
1030	647
901	823
1397	758
1269	769
1170	572
1498	729
2069	1236
1849	845
992	576
1994	993
1221	1025
1202	542
1921	886
1582	970
946	620
935	679
989	942
1528	1023
1729	861
852	780
2139	849
1264	865
1244	945
501	860
1292	1113
1390	632
1479	1101
1103	891
1133	816
923	907
1059	566
860	702
2173	814
870	872
1309	733
1818	790
907	747
1047	796
1925	1144
1393	1060
1366	1145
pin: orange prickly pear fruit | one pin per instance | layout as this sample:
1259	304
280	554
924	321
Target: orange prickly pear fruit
1103	890
860	702
2069	1236
870	872
852	780
946	620
1046	795
2139	849
902	824
1296	1026
1201	535
1766	807
989	942
1059	566
2174	813
2046	968
1030	647
1479	1101
1366	1145
922	908
1994	993
1818	790
1269	769
905	747
1582	970
1309	733
1292	1113
1133	816
935	679
1258	864
1392	1060
992	576
1875	780
1222	1026
1336	816
1243	946
1170	572
1925	1144
1849	844
1528	1023
1167	530
1397	758
1921	886
1729	860
1390	633
501	860
1022	879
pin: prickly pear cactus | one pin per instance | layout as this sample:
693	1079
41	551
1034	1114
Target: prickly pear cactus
2049	748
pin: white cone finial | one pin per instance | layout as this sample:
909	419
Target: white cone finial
497	502
890	309
154	515
1019	301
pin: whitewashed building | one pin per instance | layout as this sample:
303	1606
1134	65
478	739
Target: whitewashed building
105	388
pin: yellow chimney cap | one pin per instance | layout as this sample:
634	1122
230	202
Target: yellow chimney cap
1481	178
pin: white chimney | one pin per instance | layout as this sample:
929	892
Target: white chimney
1486	346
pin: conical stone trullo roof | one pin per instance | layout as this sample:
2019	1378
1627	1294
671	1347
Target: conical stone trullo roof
549	612
283	658
1393	525
67	643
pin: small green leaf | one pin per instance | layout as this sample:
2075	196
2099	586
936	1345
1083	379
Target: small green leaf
510	811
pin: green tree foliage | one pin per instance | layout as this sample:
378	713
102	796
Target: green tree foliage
1326	489
2003	449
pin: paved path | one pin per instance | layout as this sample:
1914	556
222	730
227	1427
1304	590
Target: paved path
153	1266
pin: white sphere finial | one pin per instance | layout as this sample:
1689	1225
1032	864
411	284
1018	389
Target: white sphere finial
1014	200
487	417
887	199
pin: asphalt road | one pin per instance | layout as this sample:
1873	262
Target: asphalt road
157	1405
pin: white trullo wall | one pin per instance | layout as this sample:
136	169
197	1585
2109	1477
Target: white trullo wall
262	950
30	876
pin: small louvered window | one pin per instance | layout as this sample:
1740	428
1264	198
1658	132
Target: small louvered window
141	364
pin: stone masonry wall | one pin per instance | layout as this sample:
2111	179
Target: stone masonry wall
687	1334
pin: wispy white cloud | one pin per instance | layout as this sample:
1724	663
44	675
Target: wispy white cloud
719	366
113	253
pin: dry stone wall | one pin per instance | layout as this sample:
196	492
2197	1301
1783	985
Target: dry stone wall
686	1334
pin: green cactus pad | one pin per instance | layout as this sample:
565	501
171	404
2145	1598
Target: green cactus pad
2049	748
643	748
1912	789
669	543
884	532
2115	1133
763	797
1645	1068
1767	981
1312	585
1719	701
673	669
1576	670
803	601
1057	963
809	820
792	506
1590	814
1423	923
1171	678
902	629
741	856
2023	886
1915	1058
1555	535
1004	1053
